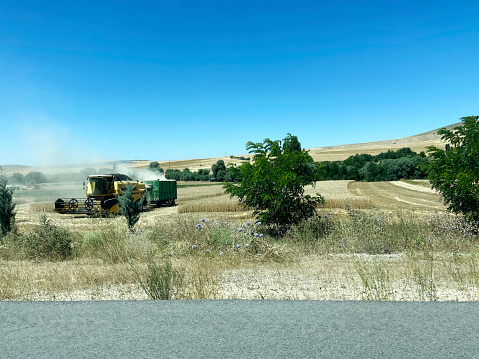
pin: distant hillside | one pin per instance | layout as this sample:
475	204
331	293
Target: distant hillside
417	143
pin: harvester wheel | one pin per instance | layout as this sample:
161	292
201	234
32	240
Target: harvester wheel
89	204
73	203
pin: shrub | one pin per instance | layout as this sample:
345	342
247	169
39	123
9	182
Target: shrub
221	237
130	209
454	172
155	166
274	183
311	230
48	241
160	281
7	207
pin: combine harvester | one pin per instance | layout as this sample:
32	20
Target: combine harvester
102	192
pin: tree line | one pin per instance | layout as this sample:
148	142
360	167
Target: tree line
386	166
36	177
218	173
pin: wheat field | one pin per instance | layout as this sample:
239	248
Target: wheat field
388	196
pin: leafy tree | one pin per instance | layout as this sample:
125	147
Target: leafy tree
7	207
173	174
219	171
156	167
454	171
404	167
130	209
35	177
273	184
16	178
372	172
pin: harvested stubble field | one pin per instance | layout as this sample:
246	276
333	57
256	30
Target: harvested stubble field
381	241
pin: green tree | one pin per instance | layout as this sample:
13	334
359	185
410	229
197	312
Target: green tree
173	174
35	177
130	209
273	184
454	171
7	207
219	171
156	167
16	178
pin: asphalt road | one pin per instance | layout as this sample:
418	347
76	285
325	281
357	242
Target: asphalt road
238	329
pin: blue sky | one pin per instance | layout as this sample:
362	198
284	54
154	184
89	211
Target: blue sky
172	79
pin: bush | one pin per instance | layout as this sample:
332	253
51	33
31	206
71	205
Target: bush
155	166
48	241
109	243
221	237
455	171
130	209
274	183
160	281
7	207
311	231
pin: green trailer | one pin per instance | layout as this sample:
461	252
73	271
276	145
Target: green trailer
161	192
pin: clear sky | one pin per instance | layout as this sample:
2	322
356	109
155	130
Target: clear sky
171	79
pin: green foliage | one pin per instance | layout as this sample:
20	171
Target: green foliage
130	209
172	174
242	158
311	231
160	281
219	171
221	237
48	241
386	166
273	184
16	178
7	207
34	178
454	172
156	167
187	175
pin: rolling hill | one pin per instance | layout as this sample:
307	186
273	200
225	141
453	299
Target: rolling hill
417	143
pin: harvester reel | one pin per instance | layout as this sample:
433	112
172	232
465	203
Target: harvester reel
89	204
73	203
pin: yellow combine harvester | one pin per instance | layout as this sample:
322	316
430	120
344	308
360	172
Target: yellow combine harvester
101	192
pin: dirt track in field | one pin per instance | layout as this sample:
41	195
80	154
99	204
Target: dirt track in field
412	195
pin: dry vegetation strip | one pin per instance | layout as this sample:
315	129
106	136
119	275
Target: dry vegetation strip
313	277
434	258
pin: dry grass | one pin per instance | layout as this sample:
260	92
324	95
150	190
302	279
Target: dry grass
315	277
42	207
434	257
212	207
